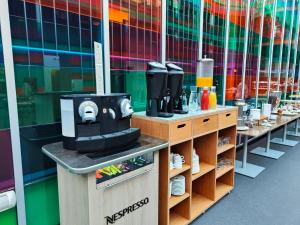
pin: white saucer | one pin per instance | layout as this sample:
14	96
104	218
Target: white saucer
243	128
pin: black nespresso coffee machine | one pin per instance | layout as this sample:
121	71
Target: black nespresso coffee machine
97	123
157	90
175	84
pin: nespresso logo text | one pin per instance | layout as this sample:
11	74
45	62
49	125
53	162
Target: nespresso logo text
112	219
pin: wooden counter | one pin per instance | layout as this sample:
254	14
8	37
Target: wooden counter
130	198
257	131
200	130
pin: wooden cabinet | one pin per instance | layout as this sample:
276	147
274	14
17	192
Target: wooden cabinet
227	119
204	125
185	132
180	131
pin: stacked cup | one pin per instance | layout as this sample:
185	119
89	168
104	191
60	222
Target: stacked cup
178	185
195	162
178	161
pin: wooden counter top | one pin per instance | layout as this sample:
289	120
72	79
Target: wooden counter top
181	117
261	130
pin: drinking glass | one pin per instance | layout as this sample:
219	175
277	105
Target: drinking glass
193	100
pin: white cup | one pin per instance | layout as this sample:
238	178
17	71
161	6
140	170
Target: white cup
171	165
267	110
178	160
255	114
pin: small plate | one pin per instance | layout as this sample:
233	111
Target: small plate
243	128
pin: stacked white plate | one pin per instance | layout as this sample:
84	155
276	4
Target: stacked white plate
195	163
178	185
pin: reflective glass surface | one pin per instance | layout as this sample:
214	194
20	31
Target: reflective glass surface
6	163
53	53
214	28
183	36
134	40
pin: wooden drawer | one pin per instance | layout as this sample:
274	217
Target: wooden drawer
180	130
227	119
205	125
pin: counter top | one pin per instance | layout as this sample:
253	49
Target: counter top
86	163
261	130
177	117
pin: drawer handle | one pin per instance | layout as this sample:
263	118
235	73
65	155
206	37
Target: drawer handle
206	120
228	114
181	126
126	179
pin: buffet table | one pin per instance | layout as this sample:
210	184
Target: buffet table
296	132
251	170
119	189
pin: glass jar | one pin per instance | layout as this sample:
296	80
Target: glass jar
193	100
205	99
212	98
184	100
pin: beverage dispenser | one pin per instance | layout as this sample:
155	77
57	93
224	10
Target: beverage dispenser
157	90
205	71
175	85
242	112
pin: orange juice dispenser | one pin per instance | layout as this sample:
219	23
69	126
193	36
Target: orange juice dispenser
205	71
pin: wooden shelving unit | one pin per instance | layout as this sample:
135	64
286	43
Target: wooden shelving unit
222	189
174	200
185	132
177	219
175	172
199	205
220	172
205	168
225	148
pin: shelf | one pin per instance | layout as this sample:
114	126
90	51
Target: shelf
205	133
222	189
174	200
204	168
175	172
176	219
180	141
224	148
220	172
199	205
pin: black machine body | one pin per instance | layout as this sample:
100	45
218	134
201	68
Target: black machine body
157	90
97	123
175	85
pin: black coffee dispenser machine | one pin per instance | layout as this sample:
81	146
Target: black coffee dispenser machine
175	84
157	90
97	123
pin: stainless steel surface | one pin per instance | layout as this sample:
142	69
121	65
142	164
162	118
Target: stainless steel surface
13	109
296	44
245	48
87	163
259	51
109	185
200	34
271	47
289	50
106	46
227	30
245	152
281	47
163	31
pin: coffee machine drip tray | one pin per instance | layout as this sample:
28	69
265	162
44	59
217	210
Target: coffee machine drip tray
88	163
103	144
